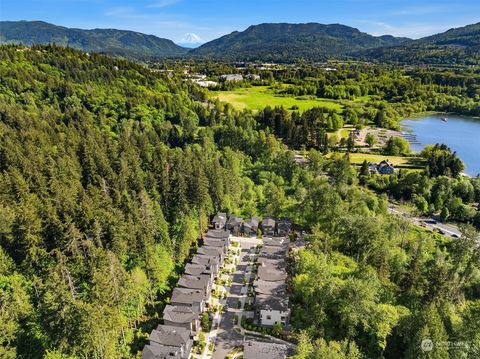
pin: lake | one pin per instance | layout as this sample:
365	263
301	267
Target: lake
460	133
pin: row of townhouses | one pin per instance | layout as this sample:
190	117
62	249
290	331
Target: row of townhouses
190	298
236	225
270	285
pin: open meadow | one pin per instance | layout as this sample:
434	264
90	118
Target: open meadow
258	97
397	161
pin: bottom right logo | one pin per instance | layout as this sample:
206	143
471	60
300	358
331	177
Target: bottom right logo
427	345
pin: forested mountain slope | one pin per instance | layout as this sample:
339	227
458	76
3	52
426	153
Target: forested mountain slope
289	42
102	189
460	46
129	44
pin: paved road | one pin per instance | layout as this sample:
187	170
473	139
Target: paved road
428	222
227	338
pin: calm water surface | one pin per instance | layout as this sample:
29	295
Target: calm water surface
461	134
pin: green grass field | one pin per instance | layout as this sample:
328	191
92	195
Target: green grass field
258	97
398	161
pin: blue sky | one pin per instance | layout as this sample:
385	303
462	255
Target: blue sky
212	18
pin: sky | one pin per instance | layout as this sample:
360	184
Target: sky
209	19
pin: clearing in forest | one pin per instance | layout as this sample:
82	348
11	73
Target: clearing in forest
258	97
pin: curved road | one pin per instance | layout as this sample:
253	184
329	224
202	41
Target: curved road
427	222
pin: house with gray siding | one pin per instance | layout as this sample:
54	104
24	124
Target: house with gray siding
184	317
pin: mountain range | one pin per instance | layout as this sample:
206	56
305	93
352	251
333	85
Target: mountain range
280	42
129	44
290	42
455	46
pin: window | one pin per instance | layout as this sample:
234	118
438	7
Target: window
269	317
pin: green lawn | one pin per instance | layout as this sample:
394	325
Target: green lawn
345	132
399	161
258	97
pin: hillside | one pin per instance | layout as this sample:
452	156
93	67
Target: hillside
129	44
455	46
290	42
101	190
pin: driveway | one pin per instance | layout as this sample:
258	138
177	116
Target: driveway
227	338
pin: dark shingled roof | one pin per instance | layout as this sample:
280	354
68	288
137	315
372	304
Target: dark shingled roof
276	242
271	263
273	252
187	296
218	233
210	251
158	351
207	260
170	336
268	222
215	242
194	282
179	314
271	274
197	269
234	220
277	288
261	350
252	223
271	302
220	218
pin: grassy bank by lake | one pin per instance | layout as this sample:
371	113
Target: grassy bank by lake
397	161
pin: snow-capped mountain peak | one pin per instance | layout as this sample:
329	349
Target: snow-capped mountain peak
191	38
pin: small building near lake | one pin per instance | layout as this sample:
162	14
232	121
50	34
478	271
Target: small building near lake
385	168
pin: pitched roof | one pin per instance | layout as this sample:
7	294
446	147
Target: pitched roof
271	274
187	296
252	222
276	241
158	351
272	252
271	263
259	350
195	282
284	224
210	251
215	242
179	314
205	259
196	269
234	220
271	302
268	222
220	217
170	336
218	233
277	288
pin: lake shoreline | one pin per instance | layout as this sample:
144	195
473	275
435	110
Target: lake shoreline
459	133
420	115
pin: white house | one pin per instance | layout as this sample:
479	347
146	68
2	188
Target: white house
271	309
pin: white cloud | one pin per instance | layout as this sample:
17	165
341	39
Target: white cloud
421	10
163	3
124	12
413	30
